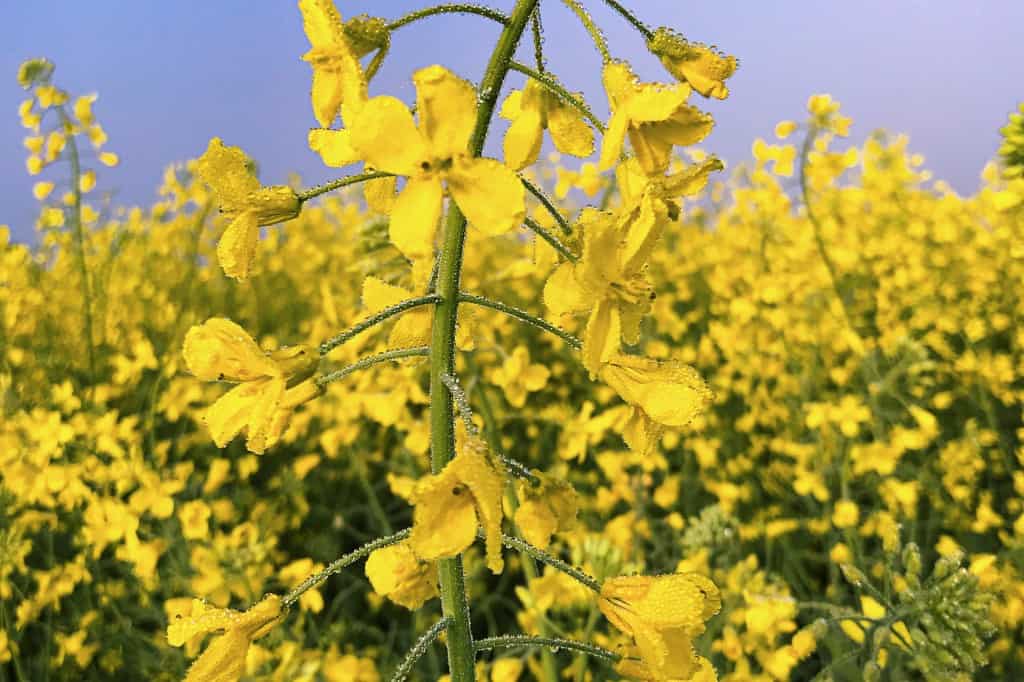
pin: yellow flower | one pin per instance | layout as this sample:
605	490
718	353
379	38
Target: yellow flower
662	393
224	658
699	65
450	504
398	574
240	196
654	116
663	614
269	387
545	508
846	514
434	155
610	281
533	109
517	376
338	78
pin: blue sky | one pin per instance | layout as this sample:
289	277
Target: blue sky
171	75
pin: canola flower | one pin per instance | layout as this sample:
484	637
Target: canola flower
270	386
245	202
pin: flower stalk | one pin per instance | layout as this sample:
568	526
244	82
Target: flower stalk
455	606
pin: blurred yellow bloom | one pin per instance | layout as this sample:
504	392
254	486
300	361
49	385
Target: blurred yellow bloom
545	508
398	574
450	504
338	78
662	393
41	190
224	658
654	116
506	670
534	109
109	159
269	387
83	109
517	377
434	155
87	182
701	66
240	196
663	614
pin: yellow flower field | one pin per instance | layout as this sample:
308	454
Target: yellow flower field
521	418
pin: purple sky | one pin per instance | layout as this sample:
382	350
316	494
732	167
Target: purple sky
172	75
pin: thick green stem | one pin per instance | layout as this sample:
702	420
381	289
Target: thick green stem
454	603
76	223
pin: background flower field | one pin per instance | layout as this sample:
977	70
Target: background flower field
856	489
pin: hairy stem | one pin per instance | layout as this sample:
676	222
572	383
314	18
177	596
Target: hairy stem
312	192
371	361
340	563
631	18
549	205
454	8
375	319
554	86
551	239
523	316
454	602
509	641
418	649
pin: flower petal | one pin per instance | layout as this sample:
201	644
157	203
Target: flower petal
229	172
220	350
446	105
229	415
489	193
333	146
523	140
236	250
569	131
415	216
386	136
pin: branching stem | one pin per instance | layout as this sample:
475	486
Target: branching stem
372	360
523	316
375	319
454	8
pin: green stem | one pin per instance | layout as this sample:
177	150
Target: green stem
455	8
312	192
375	319
819	241
631	18
342	562
418	649
549	205
371	361
76	222
552	642
552	561
454	602
551	239
538	40
554	86
588	23
523	316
